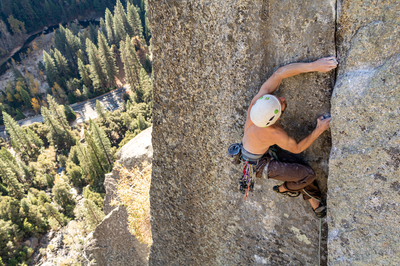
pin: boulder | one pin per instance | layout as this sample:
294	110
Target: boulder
137	151
112	244
210	59
364	187
110	184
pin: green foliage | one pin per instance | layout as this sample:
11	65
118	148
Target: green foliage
51	69
63	198
102	142
41	131
75	175
91	212
107	60
97	74
20	115
97	198
26	143
60	135
55	218
69	113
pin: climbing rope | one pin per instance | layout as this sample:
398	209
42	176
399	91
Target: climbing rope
319	243
319	238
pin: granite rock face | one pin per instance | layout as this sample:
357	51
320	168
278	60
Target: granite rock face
112	244
364	184
210	59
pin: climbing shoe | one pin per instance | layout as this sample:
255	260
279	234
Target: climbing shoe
320	211
286	193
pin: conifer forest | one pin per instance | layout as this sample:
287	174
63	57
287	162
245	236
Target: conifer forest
41	165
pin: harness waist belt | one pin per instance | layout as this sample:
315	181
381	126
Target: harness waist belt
251	157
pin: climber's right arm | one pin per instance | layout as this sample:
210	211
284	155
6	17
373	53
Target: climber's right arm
283	140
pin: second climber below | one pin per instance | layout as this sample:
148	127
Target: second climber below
263	130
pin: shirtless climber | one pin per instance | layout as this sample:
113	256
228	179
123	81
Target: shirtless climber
262	130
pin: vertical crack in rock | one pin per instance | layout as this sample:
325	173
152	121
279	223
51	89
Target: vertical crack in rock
363	203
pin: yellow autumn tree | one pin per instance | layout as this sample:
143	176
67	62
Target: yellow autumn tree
35	105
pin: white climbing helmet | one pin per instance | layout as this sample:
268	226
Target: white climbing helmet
266	111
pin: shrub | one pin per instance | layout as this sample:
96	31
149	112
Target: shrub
133	190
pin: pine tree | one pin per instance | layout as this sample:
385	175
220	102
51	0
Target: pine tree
83	72
59	93
146	30
14	187
103	26
58	112
84	160
109	27
72	46
60	39
56	136
20	141
94	215
131	62
146	86
9	164
134	21
61	63
86	93
25	98
148	65
93	33
97	75
101	140
100	111
119	12
52	212
51	69
107	59
34	138
118	23
98	160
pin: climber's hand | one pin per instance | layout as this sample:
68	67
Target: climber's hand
323	124
325	64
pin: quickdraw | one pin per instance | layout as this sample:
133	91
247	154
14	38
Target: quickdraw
246	182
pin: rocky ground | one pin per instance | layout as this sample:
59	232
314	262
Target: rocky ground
29	63
63	246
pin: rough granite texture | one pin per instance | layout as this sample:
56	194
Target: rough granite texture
112	244
210	58
364	177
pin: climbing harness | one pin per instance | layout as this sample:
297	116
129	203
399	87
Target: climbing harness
246	183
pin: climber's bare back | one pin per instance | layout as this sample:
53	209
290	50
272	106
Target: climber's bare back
257	140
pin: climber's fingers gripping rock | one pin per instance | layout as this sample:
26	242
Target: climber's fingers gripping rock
325	64
323	124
